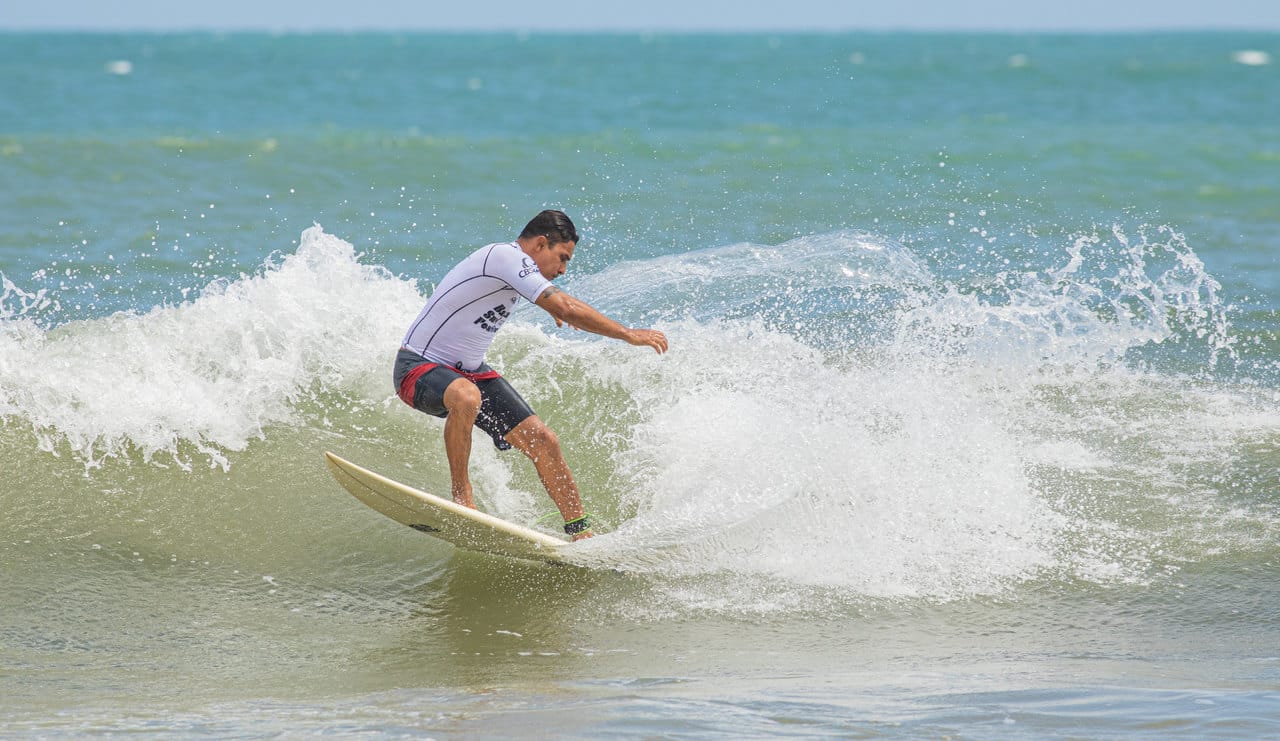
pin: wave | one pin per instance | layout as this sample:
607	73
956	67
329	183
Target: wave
212	373
833	422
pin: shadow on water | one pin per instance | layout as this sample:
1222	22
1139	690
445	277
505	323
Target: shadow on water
494	620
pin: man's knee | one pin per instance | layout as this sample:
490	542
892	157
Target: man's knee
545	439
462	398
536	438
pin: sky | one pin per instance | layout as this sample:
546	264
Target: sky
640	15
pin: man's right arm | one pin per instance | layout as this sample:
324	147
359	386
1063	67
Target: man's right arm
566	309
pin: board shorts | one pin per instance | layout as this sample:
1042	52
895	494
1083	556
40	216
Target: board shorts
421	383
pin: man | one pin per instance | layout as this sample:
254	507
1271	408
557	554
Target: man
440	368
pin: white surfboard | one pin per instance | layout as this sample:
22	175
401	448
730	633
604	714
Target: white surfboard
443	518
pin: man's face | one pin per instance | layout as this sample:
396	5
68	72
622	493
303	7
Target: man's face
553	259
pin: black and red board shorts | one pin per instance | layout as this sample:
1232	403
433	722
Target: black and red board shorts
421	383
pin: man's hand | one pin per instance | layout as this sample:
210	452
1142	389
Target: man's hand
647	337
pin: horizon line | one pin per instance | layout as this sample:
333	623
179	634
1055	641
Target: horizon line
627	30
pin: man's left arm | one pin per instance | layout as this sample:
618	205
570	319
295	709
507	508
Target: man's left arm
566	309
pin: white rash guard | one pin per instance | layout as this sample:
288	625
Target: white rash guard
471	303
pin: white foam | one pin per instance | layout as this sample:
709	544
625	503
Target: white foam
982	440
757	457
212	372
1251	57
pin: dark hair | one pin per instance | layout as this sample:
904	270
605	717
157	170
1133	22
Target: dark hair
553	225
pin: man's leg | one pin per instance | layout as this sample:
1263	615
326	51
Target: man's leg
462	399
533	438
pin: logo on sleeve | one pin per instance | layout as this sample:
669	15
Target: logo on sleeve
527	267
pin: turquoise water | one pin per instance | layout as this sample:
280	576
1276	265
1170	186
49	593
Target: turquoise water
970	426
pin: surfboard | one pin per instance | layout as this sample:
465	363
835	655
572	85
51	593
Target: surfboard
445	519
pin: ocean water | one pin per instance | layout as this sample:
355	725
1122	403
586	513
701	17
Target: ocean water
970	426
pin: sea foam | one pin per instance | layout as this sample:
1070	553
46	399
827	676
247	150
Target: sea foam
833	417
211	373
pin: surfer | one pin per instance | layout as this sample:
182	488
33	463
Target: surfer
440	367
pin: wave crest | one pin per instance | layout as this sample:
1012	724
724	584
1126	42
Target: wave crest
213	372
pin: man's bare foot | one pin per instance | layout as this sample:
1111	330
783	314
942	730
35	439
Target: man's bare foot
464	498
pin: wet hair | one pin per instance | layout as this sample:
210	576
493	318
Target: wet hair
553	225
